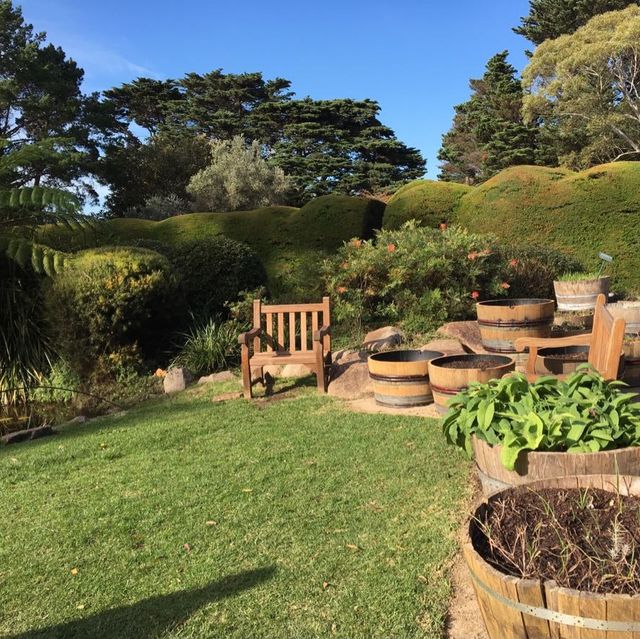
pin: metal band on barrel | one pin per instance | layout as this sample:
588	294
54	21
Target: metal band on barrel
515	323
559	617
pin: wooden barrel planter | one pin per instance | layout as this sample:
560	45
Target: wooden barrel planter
561	361
580	295
401	378
629	311
631	348
535	466
517	608
451	374
501	322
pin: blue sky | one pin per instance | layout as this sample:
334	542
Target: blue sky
414	57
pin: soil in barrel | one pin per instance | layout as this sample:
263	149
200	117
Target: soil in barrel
569	357
586	539
479	364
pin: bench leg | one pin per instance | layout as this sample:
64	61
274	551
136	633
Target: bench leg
246	372
320	371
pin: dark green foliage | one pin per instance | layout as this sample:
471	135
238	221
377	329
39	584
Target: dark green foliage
162	166
531	269
340	146
212	271
429	202
109	302
583	414
25	347
549	19
488	132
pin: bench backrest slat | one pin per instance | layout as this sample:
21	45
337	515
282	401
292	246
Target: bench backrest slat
607	338
286	328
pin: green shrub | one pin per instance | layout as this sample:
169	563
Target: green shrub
417	276
109	299
530	269
209	347
58	385
429	202
582	413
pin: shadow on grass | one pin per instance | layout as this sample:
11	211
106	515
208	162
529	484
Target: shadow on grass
151	617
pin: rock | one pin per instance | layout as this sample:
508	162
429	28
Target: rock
80	419
383	338
28	434
177	379
445	346
223	376
350	376
275	370
295	370
466	333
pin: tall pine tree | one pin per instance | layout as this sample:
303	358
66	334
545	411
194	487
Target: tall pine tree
488	133
549	19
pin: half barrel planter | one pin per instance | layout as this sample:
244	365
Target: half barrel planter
561	361
501	322
401	378
516	608
452	374
630	313
535	466
580	295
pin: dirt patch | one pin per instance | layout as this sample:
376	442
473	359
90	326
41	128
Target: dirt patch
368	405
586	539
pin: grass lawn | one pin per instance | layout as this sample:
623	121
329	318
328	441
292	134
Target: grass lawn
189	518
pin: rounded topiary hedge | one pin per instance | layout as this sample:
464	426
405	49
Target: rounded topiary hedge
429	202
110	299
579	213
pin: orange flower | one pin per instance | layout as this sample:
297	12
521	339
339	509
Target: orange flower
391	248
345	264
513	262
160	373
443	226
357	243
505	285
475	295
473	255
342	289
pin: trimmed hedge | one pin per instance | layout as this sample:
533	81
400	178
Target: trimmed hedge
580	214
290	242
425	200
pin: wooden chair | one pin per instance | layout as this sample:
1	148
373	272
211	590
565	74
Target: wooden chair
282	334
604	342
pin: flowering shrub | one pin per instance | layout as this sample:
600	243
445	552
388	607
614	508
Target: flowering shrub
415	276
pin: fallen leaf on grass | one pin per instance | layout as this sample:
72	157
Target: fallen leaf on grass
187	547
211	523
353	547
247	490
74	571
80	606
325	585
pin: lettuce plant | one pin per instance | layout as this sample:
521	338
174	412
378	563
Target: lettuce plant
580	414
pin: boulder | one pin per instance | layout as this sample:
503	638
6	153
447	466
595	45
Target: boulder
295	370
223	376
176	379
445	346
467	333
383	338
350	376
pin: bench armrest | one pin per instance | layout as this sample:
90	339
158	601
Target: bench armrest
552	342
321	332
245	338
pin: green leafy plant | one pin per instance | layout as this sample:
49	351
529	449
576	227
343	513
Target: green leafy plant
209	347
417	276
582	413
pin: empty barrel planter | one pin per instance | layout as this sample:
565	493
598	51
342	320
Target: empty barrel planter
501	322
401	378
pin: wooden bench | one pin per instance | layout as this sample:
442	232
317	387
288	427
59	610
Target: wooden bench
287	334
604	342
